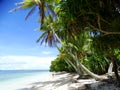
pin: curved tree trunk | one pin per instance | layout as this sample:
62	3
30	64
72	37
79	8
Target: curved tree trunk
70	63
110	69
77	68
115	70
95	76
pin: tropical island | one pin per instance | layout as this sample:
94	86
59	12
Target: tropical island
87	36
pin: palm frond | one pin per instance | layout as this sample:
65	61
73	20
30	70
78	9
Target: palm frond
43	40
41	36
15	9
30	12
28	4
51	10
19	3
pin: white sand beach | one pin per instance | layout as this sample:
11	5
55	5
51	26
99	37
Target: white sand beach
67	81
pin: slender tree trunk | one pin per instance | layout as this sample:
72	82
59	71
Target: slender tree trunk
110	69
70	63
95	76
82	67
115	69
80	72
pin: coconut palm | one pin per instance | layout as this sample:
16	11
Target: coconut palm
73	17
48	35
42	6
45	10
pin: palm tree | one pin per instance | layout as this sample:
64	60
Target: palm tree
48	35
52	28
73	17
42	6
45	10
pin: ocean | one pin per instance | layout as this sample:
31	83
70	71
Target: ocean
14	79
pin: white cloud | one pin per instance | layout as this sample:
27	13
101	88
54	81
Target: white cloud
25	62
46	52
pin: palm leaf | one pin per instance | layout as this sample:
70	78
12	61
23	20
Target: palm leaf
15	9
51	10
28	4
30	12
41	36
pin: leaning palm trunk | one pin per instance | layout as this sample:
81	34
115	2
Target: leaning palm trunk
71	64
79	65
76	67
97	77
110	69
79	70
115	70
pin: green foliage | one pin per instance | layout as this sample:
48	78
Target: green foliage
28	3
74	22
117	53
97	64
100	15
60	65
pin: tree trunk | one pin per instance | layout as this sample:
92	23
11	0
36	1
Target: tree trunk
70	63
95	76
80	72
110	69
115	70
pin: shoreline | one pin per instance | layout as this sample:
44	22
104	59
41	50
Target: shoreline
15	80
68	81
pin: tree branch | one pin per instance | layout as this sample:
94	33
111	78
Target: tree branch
103	31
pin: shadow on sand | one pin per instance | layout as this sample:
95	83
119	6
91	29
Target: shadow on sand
73	84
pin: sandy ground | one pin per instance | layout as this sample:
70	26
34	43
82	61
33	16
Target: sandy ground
67	81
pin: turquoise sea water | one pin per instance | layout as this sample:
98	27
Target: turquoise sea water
12	79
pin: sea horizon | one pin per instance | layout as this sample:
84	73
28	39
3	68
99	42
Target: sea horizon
12	79
24	70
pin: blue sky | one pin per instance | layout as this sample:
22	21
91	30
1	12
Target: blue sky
18	40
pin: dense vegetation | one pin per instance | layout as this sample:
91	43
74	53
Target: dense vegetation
60	65
88	31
